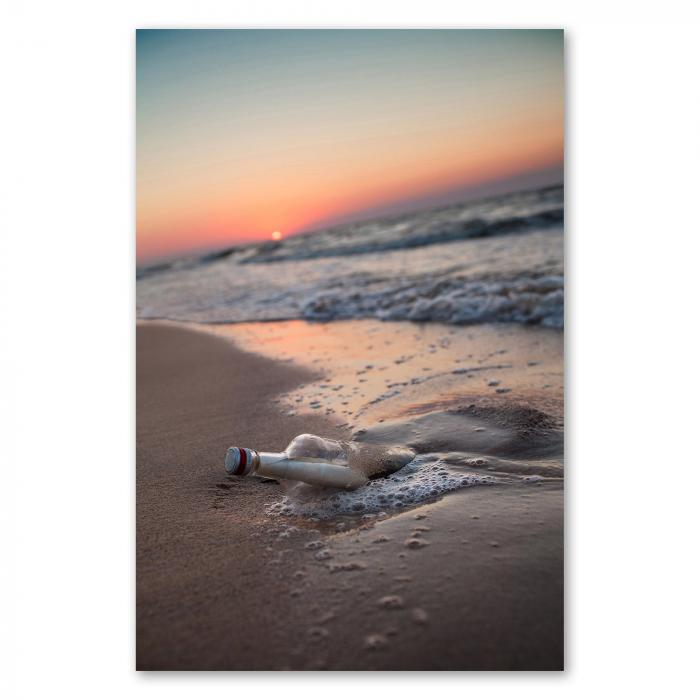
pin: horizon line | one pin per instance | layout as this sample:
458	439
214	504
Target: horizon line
364	216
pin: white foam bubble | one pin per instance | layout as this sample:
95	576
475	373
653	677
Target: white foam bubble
425	478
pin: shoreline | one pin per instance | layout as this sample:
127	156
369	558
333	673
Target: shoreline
221	585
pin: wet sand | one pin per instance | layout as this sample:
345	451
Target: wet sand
473	581
372	371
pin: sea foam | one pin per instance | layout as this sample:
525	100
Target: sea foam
425	478
495	261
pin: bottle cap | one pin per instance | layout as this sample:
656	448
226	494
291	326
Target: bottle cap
240	460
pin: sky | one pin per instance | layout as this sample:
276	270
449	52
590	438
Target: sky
243	133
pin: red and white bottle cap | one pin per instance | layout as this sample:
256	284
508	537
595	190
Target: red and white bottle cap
240	461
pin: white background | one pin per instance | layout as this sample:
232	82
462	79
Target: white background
67	257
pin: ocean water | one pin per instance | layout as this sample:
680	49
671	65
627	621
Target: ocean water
431	408
440	452
476	395
496	260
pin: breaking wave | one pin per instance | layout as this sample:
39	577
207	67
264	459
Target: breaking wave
498	260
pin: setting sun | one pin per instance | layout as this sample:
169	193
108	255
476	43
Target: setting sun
276	236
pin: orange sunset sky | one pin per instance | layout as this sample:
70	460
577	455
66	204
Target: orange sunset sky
240	133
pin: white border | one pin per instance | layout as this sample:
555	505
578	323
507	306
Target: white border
67	303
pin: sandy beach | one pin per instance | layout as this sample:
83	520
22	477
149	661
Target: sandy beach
469	581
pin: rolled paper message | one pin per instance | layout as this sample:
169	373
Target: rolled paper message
241	462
